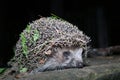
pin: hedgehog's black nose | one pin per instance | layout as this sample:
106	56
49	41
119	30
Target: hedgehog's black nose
79	64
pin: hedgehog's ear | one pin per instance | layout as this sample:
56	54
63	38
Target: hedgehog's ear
78	54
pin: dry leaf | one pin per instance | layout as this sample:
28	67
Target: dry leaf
48	52
42	61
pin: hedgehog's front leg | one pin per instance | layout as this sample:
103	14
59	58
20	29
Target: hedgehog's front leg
51	64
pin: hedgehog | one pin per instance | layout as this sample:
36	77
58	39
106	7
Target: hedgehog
49	44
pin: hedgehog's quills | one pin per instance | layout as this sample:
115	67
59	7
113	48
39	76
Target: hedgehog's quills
49	44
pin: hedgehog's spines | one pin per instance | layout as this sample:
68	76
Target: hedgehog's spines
52	33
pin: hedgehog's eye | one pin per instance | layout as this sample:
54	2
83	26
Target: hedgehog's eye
66	53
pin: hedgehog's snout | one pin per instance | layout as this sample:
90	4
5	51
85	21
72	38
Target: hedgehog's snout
72	58
77	64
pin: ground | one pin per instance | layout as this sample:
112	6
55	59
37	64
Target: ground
100	68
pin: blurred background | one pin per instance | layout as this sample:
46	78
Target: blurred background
97	19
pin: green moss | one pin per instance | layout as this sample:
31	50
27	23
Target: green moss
2	70
22	70
28	28
33	39
56	17
36	35
23	44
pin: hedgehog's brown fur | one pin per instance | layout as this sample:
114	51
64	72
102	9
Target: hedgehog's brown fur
52	33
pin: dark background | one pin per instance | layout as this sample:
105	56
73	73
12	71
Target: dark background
99	20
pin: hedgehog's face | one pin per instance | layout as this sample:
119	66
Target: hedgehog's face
64	58
69	58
